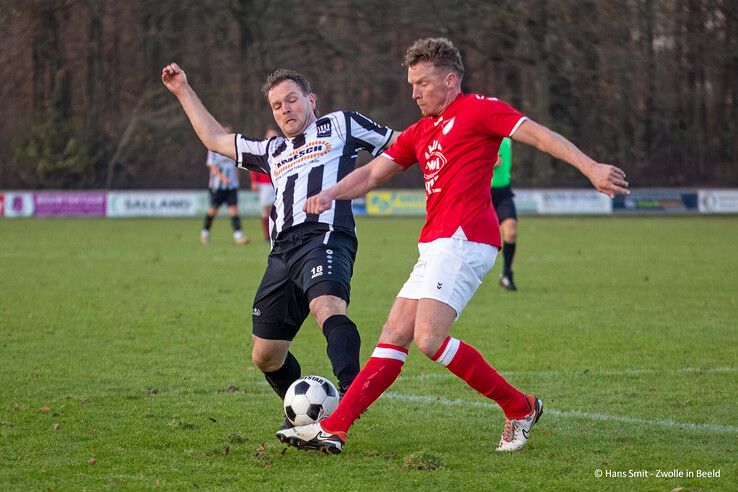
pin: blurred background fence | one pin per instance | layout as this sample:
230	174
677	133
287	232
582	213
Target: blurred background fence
651	85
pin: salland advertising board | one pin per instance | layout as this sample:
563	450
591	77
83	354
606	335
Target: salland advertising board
718	201
173	203
396	202
69	203
18	204
157	203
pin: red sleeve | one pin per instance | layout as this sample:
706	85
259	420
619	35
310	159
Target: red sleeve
403	150
497	117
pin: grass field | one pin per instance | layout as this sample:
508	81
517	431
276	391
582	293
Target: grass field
124	362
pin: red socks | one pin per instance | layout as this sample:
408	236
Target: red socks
386	363
467	363
377	375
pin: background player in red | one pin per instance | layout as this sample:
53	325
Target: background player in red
453	143
262	184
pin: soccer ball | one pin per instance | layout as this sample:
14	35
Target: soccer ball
309	400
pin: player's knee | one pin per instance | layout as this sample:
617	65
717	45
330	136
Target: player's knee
395	333
509	230
266	361
323	307
427	344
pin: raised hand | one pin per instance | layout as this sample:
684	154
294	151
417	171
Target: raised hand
173	77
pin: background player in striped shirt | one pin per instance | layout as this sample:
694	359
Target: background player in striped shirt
262	184
310	265
458	244
223	189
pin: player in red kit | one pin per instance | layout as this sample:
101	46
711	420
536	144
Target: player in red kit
458	245
262	184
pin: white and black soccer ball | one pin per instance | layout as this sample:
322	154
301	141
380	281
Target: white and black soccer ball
310	399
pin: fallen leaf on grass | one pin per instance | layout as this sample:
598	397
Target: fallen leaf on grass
57	426
45	409
92	461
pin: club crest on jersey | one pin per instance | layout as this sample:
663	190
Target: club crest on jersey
434	162
324	128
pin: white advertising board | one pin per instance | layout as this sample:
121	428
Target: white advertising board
18	204
712	201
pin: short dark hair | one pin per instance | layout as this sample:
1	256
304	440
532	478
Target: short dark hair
438	51
282	74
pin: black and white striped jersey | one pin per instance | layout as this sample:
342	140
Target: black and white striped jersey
311	162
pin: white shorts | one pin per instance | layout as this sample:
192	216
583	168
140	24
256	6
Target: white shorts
266	195
449	270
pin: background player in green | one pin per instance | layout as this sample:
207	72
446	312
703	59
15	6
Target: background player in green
502	200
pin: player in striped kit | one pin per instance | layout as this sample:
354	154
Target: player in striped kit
310	265
223	189
458	245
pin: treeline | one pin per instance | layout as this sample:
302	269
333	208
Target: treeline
651	85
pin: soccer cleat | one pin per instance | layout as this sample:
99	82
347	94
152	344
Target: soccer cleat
515	435
311	437
506	282
286	424
239	239
204	237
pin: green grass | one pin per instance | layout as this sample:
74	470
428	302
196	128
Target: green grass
133	340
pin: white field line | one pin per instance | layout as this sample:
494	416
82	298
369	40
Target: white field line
709	427
715	428
582	372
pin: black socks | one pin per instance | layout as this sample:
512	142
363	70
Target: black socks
343	348
508	251
236	223
282	378
207	223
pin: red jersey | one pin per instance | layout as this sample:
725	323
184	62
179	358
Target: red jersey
260	178
457	152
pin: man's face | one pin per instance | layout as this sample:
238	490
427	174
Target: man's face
433	87
293	111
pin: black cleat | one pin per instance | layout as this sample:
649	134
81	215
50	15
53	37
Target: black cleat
506	282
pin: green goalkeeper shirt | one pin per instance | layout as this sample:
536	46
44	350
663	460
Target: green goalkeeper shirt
501	177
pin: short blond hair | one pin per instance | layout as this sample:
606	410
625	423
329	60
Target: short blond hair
440	52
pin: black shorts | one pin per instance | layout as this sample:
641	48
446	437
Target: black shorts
220	196
502	200
309	262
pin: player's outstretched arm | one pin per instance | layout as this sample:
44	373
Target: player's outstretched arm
355	184
210	132
606	178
